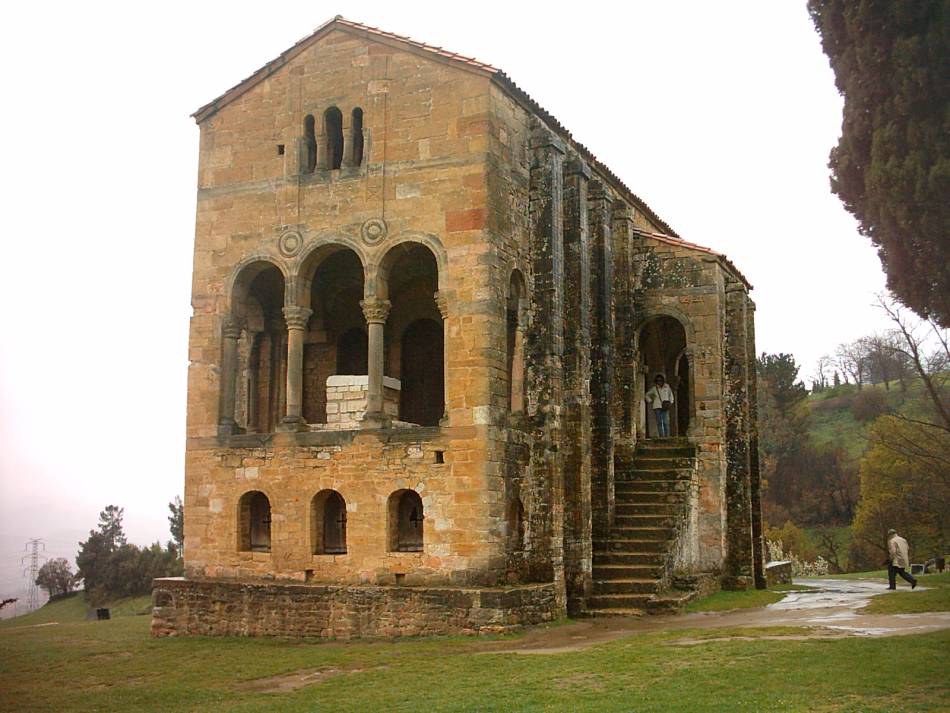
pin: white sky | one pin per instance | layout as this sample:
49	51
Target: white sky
719	115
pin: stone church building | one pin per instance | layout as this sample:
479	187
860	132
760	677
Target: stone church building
425	318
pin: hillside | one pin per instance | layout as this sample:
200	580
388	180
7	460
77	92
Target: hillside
74	608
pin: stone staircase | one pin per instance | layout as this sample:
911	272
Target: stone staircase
633	563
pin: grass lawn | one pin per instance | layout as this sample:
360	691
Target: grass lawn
723	601
932	594
116	666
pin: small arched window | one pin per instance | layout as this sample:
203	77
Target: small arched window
310	144
328	523
333	124
254	522
357	138
406	517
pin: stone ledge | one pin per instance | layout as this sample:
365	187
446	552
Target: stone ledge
196	607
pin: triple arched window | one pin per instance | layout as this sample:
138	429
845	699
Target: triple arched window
324	144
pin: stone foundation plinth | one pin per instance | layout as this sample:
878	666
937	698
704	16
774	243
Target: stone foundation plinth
229	608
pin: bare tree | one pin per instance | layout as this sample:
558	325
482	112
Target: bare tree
822	368
930	368
852	359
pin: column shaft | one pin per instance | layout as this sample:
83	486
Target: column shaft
375	311
296	318
229	359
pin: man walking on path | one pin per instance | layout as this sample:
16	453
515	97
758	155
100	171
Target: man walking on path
898	560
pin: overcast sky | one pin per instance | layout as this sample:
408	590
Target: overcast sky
719	115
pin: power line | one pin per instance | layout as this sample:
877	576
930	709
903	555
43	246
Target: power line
31	568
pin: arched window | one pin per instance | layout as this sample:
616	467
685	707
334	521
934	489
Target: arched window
333	124
662	346
515	342
405	521
310	144
254	522
352	352
328	523
357	136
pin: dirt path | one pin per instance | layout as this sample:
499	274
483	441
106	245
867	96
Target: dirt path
831	610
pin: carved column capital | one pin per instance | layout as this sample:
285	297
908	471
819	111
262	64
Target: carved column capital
297	317
442	301
375	310
231	328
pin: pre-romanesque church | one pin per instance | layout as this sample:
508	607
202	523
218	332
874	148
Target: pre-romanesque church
425	319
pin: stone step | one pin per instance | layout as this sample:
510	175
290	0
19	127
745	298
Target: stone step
603	587
632	474
597	613
669	602
606	558
637	497
632	546
669	451
625	509
625	571
665	485
647	463
641	533
619	601
641	520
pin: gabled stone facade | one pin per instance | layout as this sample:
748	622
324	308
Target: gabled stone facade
424	322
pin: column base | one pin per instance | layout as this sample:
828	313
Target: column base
291	424
376	419
229	428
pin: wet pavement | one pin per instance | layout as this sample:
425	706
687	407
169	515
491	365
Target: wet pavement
830	610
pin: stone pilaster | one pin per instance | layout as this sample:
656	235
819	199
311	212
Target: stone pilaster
577	412
755	479
602	358
625	398
230	333
375	312
738	567
296	319
545	352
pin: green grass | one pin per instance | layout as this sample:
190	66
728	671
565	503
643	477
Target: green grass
73	609
116	666
933	594
749	599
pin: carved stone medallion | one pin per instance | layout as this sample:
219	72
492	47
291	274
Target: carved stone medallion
373	231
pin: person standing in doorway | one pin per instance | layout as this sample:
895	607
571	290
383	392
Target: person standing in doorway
898	560
660	398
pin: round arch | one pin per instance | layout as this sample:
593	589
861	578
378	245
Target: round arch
310	260
377	273
664	345
243	275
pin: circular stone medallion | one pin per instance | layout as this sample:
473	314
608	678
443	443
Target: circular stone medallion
373	231
289	243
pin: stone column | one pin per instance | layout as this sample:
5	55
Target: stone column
739	570
442	300
375	311
296	319
231	332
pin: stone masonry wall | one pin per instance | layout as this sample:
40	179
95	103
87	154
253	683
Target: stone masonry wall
221	608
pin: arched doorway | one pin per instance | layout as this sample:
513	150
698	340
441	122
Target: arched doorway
422	399
662	348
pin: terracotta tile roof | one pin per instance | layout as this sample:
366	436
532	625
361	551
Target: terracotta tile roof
680	243
458	60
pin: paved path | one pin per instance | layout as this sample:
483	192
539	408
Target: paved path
831	610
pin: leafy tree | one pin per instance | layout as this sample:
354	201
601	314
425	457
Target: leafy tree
56	577
905	484
176	523
778	373
891	167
